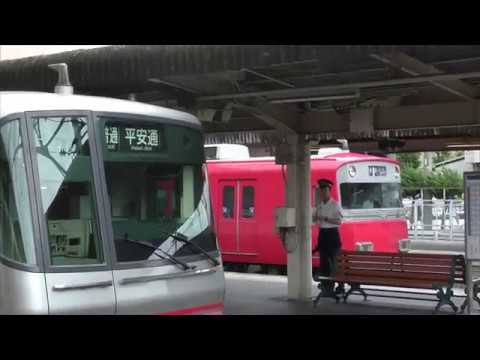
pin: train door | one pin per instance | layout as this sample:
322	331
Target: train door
227	217
237	221
247	217
78	275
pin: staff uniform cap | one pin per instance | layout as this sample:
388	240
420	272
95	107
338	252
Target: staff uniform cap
324	183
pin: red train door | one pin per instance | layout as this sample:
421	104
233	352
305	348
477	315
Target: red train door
227	216
237	224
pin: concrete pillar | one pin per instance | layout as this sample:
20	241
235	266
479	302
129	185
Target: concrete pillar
299	266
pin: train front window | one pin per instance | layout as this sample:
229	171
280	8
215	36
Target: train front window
370	195
16	232
65	172
157	185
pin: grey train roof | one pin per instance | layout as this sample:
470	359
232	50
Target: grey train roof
12	102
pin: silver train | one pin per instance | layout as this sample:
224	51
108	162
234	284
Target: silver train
104	208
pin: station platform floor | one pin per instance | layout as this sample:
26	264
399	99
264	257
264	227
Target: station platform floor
255	294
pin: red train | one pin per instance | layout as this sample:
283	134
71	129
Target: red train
245	193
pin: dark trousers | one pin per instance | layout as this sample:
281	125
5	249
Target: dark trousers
329	246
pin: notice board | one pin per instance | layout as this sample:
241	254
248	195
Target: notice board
472	215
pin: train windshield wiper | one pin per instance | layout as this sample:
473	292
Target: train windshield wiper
184	239
166	257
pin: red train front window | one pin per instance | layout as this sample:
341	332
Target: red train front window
370	195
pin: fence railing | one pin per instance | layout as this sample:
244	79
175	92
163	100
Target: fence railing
435	219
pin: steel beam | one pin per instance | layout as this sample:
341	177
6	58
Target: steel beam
429	116
272	79
279	117
454	119
173	85
415	67
331	89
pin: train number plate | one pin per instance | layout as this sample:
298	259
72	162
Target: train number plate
377	171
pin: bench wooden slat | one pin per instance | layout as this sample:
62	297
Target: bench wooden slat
405	254
395	260
389	254
395	267
386	282
444	278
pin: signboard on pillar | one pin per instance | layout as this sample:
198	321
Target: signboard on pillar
362	122
472	215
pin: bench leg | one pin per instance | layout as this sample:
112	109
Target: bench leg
445	298
323	295
353	288
363	293
452	304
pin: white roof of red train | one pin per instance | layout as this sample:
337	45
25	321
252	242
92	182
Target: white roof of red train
254	165
338	158
351	156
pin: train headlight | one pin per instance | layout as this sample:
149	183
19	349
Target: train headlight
352	171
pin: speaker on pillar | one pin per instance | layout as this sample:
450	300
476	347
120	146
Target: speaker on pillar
215	115
284	154
206	115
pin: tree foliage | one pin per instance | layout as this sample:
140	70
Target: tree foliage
409	160
415	179
446	178
440	156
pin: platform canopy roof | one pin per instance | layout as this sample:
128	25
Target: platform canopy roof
387	97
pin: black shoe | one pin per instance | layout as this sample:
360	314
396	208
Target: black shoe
339	290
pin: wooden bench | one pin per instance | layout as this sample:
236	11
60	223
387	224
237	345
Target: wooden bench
435	272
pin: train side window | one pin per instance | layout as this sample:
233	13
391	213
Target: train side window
248	202
16	230
228	201
66	182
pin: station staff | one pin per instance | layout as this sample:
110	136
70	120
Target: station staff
329	217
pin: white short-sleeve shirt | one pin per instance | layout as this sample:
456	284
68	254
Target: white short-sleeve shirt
330	209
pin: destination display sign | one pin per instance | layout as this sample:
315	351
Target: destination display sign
128	138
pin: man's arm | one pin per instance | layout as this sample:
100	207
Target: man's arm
337	219
315	216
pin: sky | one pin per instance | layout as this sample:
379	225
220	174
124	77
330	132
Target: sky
8	52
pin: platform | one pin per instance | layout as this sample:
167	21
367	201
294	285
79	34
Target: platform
254	294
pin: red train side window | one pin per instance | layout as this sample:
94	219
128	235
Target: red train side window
248	202
228	202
